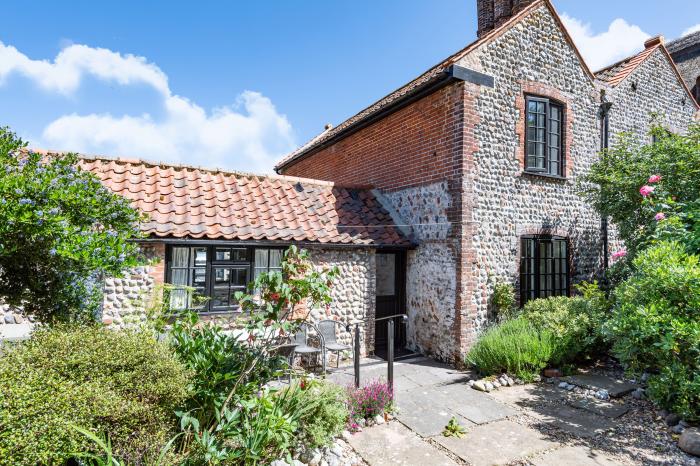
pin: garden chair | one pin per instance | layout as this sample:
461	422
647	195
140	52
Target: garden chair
286	351
301	340
327	330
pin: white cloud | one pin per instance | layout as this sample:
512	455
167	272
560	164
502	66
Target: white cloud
691	30
621	40
248	135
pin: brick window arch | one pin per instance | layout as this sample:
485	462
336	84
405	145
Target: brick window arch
545	130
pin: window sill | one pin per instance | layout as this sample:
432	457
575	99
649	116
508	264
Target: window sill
527	174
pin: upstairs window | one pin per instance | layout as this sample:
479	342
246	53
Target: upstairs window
544	151
544	267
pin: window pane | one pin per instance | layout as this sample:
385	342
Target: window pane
180	257
261	258
221	276
220	298
276	258
223	254
386	274
239	255
179	277
239	277
199	277
200	257
178	299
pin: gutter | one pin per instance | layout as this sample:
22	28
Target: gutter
270	243
605	107
453	74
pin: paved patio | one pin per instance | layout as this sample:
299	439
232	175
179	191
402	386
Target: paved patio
535	424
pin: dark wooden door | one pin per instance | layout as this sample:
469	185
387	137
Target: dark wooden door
390	289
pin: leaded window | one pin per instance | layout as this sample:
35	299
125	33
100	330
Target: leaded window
544	267
545	142
215	273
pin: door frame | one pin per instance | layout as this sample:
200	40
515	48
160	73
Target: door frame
400	296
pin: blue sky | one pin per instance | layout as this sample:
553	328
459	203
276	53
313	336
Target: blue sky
238	84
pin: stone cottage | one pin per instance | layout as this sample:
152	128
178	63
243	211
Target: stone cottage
481	155
463	178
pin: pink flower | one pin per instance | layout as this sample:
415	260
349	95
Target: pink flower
646	190
660	216
619	254
654	179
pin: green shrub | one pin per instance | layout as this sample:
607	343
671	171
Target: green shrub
60	227
125	385
576	323
327	416
514	346
655	325
503	300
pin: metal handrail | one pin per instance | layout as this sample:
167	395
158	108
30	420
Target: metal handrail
389	351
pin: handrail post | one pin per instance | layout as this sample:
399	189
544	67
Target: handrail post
356	355
390	354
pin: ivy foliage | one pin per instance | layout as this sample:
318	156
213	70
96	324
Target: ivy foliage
60	231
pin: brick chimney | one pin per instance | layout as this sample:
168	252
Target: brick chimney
492	13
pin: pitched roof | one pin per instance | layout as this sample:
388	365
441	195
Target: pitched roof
429	76
682	43
192	202
617	72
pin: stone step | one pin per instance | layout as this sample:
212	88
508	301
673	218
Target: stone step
601	408
616	388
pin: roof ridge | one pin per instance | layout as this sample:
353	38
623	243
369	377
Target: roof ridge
430	73
182	166
643	55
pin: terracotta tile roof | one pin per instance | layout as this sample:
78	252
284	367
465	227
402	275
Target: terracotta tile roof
431	75
617	72
192	202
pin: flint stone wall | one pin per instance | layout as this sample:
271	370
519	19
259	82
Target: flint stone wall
506	202
430	269
353	293
651	93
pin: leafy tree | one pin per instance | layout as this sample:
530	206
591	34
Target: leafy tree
60	231
642	187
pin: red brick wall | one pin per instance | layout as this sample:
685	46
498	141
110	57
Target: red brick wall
155	252
429	141
412	147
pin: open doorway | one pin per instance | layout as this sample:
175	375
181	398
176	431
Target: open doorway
391	295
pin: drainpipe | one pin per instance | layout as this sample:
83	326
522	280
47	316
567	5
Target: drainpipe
604	144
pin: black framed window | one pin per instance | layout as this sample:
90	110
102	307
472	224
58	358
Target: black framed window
544	147
544	267
215	272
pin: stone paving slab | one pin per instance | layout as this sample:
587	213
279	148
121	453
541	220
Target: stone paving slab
476	406
524	396
616	388
601	408
497	443
575	421
428	422
394	444
574	456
